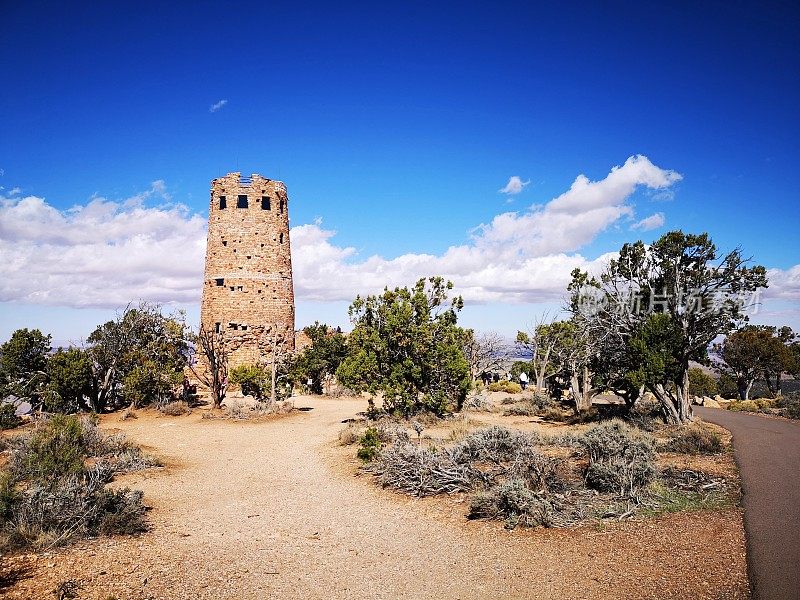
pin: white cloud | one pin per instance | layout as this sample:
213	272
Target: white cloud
108	253
217	105
514	186
654	221
101	254
784	285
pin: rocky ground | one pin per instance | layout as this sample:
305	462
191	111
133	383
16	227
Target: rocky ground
276	509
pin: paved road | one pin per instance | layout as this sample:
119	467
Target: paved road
768	453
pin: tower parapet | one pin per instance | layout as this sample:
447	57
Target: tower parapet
247	289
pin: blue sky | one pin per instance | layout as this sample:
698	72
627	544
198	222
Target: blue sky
396	126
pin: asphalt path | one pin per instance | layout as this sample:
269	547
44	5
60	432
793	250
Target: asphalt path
768	453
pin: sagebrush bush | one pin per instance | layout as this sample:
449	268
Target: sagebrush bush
509	387
56	512
541	400
553	413
513	502
477	401
621	458
695	439
493	444
49	496
420	471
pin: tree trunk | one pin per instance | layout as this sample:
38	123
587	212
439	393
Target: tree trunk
778	392
684	406
741	384
272	390
671	415
749	387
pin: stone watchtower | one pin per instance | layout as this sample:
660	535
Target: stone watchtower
247	291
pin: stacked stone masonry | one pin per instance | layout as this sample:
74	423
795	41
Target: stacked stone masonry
247	290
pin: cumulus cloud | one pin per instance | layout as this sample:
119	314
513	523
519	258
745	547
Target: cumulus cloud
514	186
784	285
654	221
106	253
217	105
101	254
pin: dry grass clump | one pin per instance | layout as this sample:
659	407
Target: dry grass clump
478	402
128	413
744	406
520	409
509	387
176	408
241	410
54	488
420	471
694	439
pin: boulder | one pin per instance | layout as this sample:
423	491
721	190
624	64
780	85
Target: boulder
710	403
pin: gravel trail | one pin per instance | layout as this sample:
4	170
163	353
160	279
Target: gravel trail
273	510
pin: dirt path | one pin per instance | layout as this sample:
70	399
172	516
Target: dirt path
768	453
272	510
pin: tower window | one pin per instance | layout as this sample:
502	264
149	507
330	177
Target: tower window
280	210
281	238
265	203
223	202
233	326
244	327
241	201
220	281
217	327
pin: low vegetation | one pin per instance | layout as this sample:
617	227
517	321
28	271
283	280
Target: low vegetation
53	490
694	439
526	479
785	406
509	387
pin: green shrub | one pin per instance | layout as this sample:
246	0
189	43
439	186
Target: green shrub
8	417
256	381
701	383
791	405
370	445
695	439
56	448
509	387
727	386
744	406
621	458
542	400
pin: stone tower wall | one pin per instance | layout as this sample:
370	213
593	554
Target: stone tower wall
247	288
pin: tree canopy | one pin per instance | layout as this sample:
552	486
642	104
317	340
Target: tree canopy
406	345
658	307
